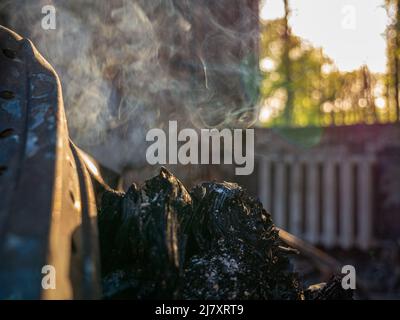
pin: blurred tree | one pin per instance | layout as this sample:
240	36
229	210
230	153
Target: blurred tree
292	88
302	87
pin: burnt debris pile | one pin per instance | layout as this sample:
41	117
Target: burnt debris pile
214	242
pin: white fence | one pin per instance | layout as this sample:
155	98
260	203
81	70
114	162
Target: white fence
326	199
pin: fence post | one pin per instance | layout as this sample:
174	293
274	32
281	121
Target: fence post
264	183
295	198
346	204
364	220
329	214
312	204
280	187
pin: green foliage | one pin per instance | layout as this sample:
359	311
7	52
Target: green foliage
321	94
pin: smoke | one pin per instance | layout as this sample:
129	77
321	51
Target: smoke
127	66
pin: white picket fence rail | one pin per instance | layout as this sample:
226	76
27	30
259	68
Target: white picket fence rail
326	199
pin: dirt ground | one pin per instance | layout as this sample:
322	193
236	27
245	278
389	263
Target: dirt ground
377	270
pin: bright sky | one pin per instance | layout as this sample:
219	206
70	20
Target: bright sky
349	31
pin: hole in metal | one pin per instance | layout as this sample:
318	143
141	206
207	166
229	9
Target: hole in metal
7	94
6	133
2	170
71	195
73	246
11	54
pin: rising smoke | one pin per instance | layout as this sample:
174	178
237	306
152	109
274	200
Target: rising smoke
127	66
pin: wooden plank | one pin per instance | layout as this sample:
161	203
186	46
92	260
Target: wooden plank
312	207
329	212
264	183
364	221
279	213
346	205
295	199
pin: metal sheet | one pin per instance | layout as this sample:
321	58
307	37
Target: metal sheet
47	204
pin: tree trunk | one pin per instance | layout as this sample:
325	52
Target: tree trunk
288	113
396	62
